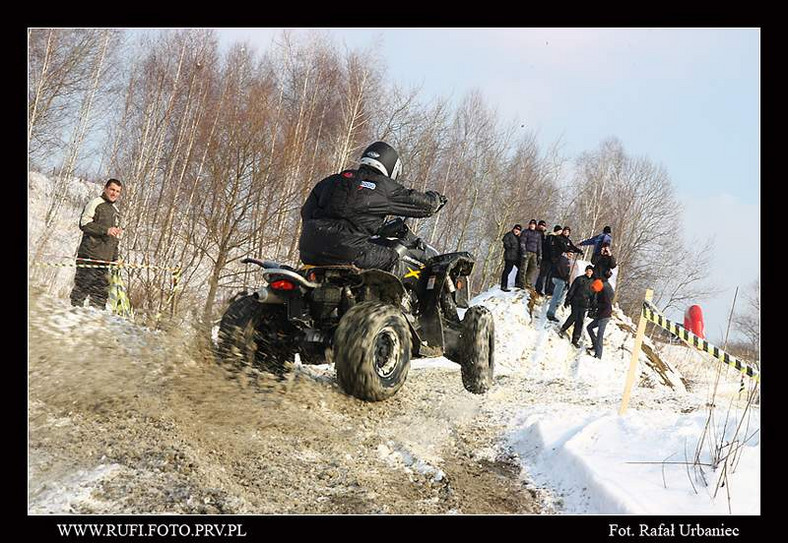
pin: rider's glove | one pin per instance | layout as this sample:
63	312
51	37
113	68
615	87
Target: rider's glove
441	199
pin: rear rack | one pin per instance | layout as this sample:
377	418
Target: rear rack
272	268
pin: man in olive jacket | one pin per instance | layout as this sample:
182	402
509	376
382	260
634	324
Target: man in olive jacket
530	256
511	255
100	225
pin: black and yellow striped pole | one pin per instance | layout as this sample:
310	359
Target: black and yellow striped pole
652	314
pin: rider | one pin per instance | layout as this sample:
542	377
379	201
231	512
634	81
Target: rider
345	209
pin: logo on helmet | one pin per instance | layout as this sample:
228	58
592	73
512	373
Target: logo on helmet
372	154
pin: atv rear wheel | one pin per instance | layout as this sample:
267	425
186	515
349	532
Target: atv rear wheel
372	350
478	346
252	334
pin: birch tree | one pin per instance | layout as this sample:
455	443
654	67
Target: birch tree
88	56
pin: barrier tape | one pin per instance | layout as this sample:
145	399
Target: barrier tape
652	314
105	264
118	299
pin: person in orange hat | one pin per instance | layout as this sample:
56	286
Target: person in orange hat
601	312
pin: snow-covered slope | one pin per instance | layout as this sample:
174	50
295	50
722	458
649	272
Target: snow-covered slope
64	234
655	459
555	409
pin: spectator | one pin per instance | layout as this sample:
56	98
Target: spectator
560	278
530	255
601	311
579	296
100	225
564	244
597	241
604	263
511	255
543	281
554	251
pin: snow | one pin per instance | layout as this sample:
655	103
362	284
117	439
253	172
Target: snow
562	422
55	496
396	456
572	440
605	463
585	458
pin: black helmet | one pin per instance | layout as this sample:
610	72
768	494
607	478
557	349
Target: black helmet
382	157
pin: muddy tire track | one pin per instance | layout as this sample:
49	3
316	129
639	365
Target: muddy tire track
124	419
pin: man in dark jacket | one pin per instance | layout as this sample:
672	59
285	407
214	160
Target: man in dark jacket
563	244
605	263
597	241
530	255
559	275
544	285
511	254
579	296
345	209
601	311
100	225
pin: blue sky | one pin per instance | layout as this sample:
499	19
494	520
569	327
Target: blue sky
688	98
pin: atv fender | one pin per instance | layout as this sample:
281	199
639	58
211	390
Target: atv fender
458	267
444	271
387	286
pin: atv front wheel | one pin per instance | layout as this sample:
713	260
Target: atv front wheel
372	351
477	351
252	334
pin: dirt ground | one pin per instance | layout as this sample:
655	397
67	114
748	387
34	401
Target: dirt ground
128	420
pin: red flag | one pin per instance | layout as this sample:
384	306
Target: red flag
693	320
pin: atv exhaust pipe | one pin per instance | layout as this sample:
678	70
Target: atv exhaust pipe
265	296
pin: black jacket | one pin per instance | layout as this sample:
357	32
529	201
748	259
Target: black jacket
562	244
345	209
580	293
560	267
511	247
602	303
603	264
98	216
547	246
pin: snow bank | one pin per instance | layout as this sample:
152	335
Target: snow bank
640	463
64	234
527	343
702	371
572	442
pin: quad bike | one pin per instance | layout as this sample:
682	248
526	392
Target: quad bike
370	322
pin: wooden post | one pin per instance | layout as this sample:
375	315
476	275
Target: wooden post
633	364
